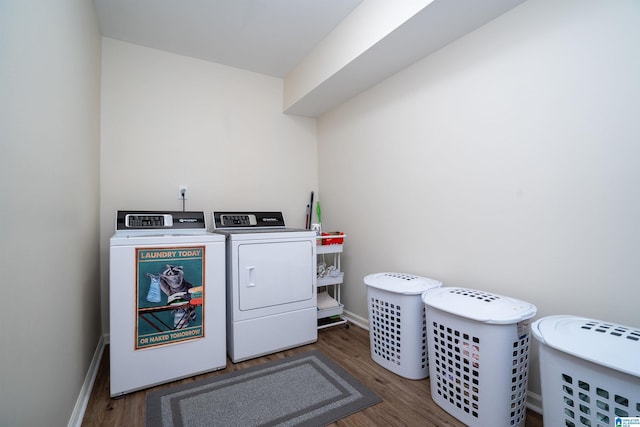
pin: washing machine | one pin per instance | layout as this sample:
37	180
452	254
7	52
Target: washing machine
271	283
166	299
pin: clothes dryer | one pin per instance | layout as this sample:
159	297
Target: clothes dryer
271	283
166	299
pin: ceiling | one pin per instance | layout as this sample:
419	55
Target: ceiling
281	37
265	36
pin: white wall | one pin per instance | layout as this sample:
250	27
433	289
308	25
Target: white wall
169	120
49	140
508	161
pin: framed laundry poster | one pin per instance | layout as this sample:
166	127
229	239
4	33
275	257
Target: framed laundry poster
169	293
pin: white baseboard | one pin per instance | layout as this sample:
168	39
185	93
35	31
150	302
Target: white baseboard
534	402
356	320
85	392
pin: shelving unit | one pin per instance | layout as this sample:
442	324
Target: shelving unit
330	280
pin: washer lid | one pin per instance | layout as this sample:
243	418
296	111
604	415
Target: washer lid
608	344
479	305
401	283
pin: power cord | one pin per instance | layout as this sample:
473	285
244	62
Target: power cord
183	195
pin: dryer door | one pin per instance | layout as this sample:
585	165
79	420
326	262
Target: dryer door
275	273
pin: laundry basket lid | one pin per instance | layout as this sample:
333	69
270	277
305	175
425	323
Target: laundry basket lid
479	305
401	283
608	344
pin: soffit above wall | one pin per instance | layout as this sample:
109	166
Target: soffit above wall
438	23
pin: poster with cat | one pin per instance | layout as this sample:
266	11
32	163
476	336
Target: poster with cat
169	294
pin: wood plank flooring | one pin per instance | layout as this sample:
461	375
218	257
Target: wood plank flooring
405	402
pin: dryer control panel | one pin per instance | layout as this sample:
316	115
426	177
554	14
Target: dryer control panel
251	220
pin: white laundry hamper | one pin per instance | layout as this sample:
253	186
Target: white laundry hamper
397	330
479	346
589	371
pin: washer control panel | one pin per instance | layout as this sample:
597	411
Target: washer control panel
157	220
231	220
148	221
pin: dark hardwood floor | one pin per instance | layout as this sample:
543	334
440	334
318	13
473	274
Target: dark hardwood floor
405	402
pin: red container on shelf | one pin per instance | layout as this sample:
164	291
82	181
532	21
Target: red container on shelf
333	240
